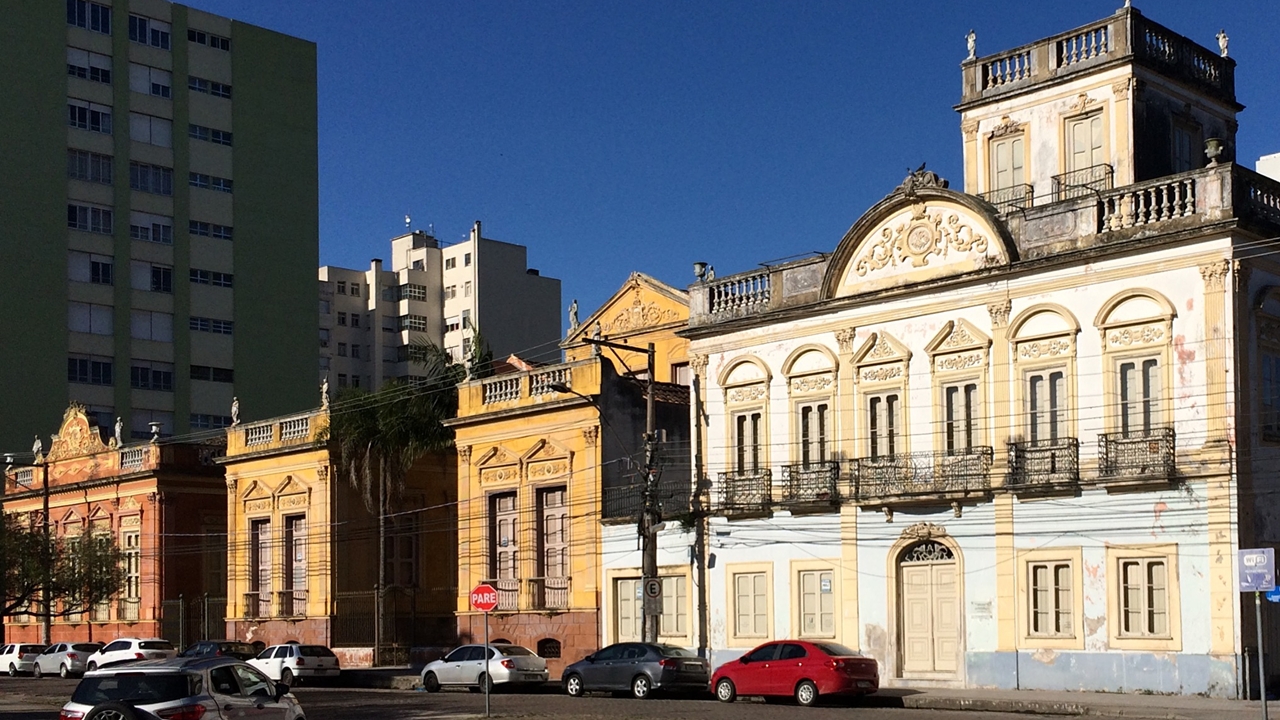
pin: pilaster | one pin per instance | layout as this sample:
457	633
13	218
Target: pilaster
1003	417
1216	454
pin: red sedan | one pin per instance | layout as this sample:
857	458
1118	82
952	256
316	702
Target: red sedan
798	668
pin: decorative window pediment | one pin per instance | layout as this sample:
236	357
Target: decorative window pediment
1044	332
1134	319
746	381
881	358
255	489
545	449
958	346
497	456
498	464
811	370
547	460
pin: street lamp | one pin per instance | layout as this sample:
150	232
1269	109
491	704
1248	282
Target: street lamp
10	463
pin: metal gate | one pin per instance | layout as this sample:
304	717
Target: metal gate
187	620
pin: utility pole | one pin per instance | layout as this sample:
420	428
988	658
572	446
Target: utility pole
46	600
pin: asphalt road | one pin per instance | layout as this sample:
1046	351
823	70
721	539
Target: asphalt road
26	698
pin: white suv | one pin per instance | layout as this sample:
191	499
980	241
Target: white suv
291	660
128	649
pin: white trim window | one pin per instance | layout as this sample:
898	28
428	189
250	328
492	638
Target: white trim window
884	423
747	441
817	604
1050	597
961	417
1141	394
815	428
1144	597
751	604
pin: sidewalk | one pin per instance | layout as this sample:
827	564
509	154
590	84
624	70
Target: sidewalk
1045	702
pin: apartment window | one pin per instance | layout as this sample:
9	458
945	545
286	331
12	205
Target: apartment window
1140	396
212	374
212	325
295	578
88	166
342	319
355	381
504	520
466	319
150	81
1144	600
90	370
466	260
814	419
150	325
1270	395
202	421
884	424
450	263
675	607
342	380
207	229
628	598
90	318
211	277
89	116
149	32
260	564
151	228
1049	592
451	292
1084	142
1007	159
324	307
341	287
355	351
466	289
402	552
217	42
89	218
209	87
960	424
147	375
747	441
90	268
751	605
817	604
132	546
1047	407
413	322
355	320
553	533
355	289
210	182
150	178
452	324
151	130
342	349
89	65
89	15
152	278
324	337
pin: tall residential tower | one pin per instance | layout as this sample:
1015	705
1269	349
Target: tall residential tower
127	289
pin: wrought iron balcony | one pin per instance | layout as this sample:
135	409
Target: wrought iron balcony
744	492
812	484
1044	465
922	475
291	603
549	593
1083	182
257	604
1014	197
1138	455
127	609
508	593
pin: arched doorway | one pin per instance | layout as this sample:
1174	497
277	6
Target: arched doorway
929	603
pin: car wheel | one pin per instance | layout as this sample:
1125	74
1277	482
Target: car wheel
64	672
13	670
641	687
112	711
286	677
430	682
573	686
725	691
806	693
35	671
485	683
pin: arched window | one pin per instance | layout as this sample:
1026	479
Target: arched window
548	648
927	551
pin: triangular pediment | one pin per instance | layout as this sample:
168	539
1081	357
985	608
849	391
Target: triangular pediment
641	305
71	517
497	455
958	335
881	347
98	514
76	437
291	486
255	489
546	449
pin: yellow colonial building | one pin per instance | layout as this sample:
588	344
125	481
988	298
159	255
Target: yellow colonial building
303	553
546	453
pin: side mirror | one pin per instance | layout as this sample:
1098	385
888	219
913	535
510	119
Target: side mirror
743	660
281	690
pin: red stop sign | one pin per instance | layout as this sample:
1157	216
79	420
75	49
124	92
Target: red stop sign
484	598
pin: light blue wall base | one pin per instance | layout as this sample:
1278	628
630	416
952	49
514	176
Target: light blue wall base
1127	672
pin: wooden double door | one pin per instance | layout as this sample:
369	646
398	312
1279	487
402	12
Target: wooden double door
929	610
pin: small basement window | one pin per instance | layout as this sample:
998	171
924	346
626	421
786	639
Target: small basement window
549	648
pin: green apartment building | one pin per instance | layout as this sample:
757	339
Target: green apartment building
158	217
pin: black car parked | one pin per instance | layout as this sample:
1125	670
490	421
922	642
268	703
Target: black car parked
214	648
640	668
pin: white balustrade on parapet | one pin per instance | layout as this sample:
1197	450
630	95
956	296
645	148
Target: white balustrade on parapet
132	458
295	428
259	434
1085	45
1006	69
500	390
1151	203
540	382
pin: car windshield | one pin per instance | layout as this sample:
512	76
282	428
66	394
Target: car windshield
30	649
835	649
315	651
155	645
87	647
673	651
144	688
513	650
244	648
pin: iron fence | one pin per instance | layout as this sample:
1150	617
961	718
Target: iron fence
744	492
1083	182
1044	464
186	620
812	484
1142	454
922	474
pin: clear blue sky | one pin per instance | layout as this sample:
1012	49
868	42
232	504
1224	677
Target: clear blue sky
618	136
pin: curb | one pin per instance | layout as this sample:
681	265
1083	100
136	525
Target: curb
1030	707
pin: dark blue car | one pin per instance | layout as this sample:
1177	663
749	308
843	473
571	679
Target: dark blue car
639	668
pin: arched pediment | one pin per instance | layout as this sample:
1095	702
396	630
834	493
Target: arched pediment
881	347
916	235
808	359
744	371
1135	306
958	335
1043	320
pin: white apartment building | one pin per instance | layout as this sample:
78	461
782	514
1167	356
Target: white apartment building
371	320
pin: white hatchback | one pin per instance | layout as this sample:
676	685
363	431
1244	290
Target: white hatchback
285	663
507	665
129	649
19	658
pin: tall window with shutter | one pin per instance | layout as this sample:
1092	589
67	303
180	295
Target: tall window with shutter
1046	406
1141	394
1007	160
884	425
1085	142
817	604
751	605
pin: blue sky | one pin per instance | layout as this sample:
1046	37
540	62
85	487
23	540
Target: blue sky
618	136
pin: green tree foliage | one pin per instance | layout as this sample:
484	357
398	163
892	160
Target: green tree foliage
22	560
87	571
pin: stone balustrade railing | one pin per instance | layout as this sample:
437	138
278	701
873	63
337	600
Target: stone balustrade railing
540	382
1006	70
132	458
261	434
295	428
1149	202
504	389
740	295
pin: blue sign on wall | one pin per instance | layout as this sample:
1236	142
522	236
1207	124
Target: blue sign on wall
1257	570
1273	596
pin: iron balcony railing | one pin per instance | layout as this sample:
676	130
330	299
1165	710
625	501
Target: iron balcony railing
744	492
1083	182
813	484
549	593
922	474
1044	464
1148	454
127	609
291	603
257	604
1014	197
508	593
